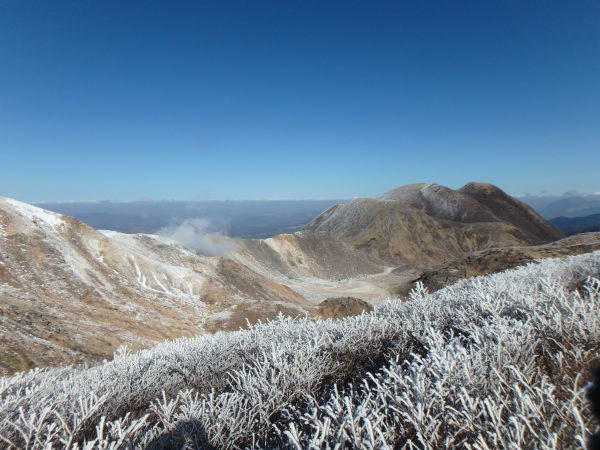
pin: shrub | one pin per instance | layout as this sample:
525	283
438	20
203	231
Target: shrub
491	362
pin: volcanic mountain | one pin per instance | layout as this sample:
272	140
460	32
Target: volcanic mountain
424	224
71	294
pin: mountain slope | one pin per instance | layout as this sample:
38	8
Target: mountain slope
499	259
67	290
428	224
69	293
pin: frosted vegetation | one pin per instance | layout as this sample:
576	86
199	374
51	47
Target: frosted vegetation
492	362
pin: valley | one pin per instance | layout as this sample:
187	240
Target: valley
71	294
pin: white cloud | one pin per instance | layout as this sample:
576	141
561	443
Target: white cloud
196	234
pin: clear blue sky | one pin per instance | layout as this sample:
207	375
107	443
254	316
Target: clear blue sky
125	100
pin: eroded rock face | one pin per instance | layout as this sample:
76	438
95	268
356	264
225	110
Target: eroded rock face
70	294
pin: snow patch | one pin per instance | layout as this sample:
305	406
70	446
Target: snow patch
34	213
109	233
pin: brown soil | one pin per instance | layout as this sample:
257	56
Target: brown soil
499	259
336	308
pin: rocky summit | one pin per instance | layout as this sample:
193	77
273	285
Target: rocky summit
424	224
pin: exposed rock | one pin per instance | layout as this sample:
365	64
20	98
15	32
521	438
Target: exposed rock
336	308
72	294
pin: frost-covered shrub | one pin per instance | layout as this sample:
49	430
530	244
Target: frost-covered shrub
492	362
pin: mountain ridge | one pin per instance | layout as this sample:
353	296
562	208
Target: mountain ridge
72	294
429	222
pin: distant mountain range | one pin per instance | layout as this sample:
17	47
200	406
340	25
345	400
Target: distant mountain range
574	225
568	205
70	293
258	219
571	214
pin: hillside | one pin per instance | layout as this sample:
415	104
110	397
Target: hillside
424	224
498	259
70	294
493	362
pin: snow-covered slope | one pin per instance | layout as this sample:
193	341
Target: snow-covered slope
70	293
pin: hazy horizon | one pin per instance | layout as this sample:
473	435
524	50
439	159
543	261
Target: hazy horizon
542	194
256	218
274	200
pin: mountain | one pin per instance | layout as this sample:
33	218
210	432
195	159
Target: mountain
567	205
69	293
73	294
574	225
428	223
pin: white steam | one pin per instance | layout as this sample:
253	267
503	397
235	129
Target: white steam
196	234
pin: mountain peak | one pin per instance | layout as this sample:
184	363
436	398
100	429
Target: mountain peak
483	190
404	193
423	222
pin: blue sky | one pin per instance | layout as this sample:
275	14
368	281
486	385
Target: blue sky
289	99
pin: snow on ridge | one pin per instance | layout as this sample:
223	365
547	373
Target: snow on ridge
131	241
109	233
34	213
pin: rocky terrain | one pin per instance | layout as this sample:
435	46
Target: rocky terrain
499	259
424	224
501	361
72	294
